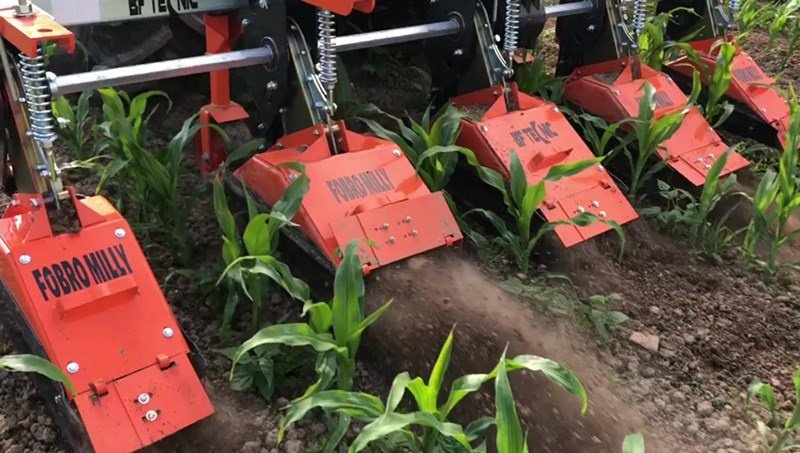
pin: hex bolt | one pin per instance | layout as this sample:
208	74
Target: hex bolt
272	85
391	239
264	4
555	109
458	52
385	226
602	214
397	153
581	209
708	166
73	367
151	415
414	232
700	160
408	219
485	128
119	232
616	92
25	259
167	332
601	168
596	204
245	22
143	398
292	177
590	28
711	155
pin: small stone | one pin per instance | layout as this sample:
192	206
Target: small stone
647	341
596	440
692	429
704	409
522	276
43	433
655	310
783	299
676	396
648	372
318	429
282	402
294	446
717	425
271	440
252	446
16	448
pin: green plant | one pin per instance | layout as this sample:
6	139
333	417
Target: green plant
775	200
649	132
778	433
73	122
603	320
717	112
249	258
655	49
532	78
694	214
522	201
389	429
27	363
433	140
263	369
597	132
634	443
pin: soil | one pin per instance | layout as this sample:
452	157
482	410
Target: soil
718	327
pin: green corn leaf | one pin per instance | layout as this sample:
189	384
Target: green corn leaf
794	420
519	182
765	393
62	109
320	316
509	429
533	198
558	172
348	298
355	337
244	151
397	391
295	334
27	363
392	422
440	368
478	428
634	443
326	374
360	406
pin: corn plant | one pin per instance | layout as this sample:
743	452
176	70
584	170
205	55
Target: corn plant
532	78
27	363
249	258
334	328
390	429
650	132
715	111
73	124
778	433
597	132
775	200
654	47
522	200
438	136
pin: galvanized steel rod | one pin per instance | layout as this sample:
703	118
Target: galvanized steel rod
397	35
148	72
569	9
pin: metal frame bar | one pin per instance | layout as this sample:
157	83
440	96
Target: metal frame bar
68	13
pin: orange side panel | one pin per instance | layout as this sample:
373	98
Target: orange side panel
27	32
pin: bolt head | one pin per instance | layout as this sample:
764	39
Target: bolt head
458	52
485	128
151	415
385	226
272	85
143	398
292	177
408	219
167	332
397	153
414	232
119	232
264	4
602	214
392	240
25	259
555	109
708	166
73	367
245	22
601	168
596	204
711	156
581	209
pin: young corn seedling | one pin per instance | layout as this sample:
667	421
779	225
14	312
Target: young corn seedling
522	200
436	138
650	132
655	49
250	261
389	429
633	443
533	79
778	433
333	331
73	122
27	363
777	197
715	109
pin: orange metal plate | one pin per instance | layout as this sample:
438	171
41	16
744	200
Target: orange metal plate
26	32
542	137
344	7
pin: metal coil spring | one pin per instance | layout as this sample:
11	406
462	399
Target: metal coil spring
37	97
639	15
733	5
326	26
512	26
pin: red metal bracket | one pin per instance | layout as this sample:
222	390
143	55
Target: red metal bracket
344	7
26	32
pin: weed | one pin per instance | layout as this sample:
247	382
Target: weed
604	320
778	433
262	369
522	201
73	122
26	363
250	258
388	429
633	443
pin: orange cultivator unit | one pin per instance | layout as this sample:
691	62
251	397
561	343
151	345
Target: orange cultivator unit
542	137
750	87
368	190
83	295
610	91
